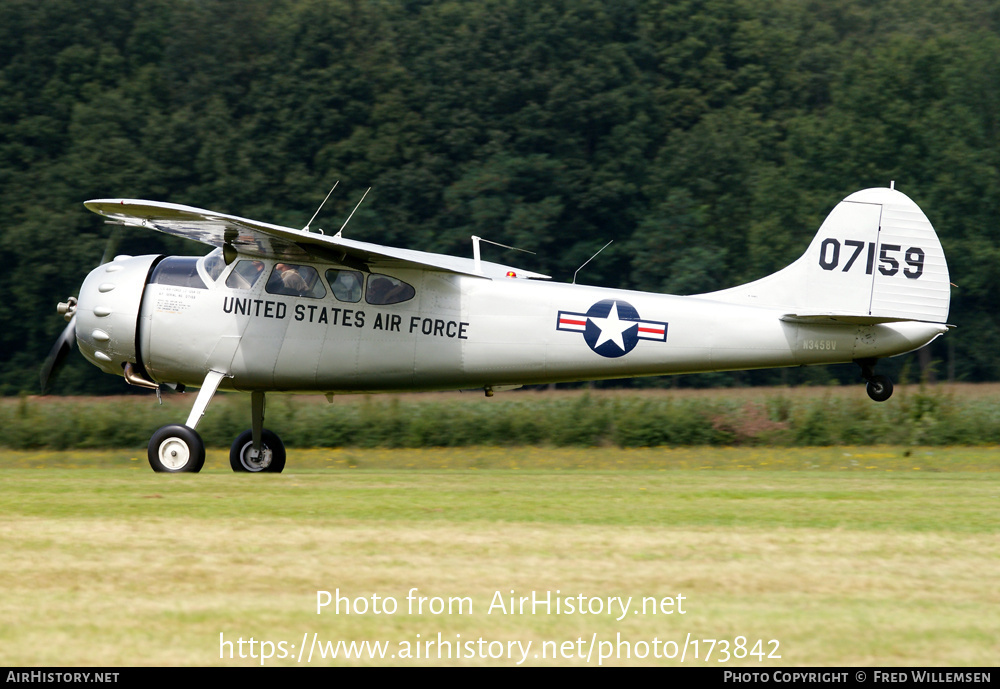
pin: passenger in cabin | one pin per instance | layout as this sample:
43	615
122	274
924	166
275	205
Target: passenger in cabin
378	289
291	280
346	284
384	289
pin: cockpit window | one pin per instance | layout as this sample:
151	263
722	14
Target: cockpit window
245	274
383	289
213	265
346	284
296	281
180	271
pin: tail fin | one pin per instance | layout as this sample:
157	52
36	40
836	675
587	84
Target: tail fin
876	258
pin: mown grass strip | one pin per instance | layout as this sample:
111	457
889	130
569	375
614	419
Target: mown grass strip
107	564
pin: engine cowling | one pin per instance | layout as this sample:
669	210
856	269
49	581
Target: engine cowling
107	312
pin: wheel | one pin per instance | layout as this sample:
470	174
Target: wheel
175	449
271	458
880	388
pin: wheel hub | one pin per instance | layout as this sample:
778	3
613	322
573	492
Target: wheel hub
255	460
174	453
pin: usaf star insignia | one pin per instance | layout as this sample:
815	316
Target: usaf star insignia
612	327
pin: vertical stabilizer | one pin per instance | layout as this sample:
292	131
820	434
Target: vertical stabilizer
876	257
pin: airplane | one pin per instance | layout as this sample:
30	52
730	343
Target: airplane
278	309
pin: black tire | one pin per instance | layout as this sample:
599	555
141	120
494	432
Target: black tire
273	460
176	449
879	388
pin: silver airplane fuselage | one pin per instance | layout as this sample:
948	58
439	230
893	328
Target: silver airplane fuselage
456	332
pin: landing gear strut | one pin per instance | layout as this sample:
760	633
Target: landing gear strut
879	387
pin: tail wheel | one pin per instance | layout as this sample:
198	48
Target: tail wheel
176	449
879	388
271	457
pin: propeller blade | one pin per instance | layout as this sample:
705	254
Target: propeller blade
59	351
112	246
64	344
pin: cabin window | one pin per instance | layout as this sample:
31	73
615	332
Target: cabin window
383	289
346	284
245	274
295	281
180	271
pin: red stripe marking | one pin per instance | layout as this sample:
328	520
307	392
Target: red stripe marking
657	331
569	321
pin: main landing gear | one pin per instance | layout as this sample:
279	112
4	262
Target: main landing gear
257	449
879	387
176	449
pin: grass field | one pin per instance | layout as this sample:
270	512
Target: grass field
829	556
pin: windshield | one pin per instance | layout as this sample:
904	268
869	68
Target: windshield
212	265
181	271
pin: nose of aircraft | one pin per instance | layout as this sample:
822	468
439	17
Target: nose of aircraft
107	312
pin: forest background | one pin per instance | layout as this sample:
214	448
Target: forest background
708	138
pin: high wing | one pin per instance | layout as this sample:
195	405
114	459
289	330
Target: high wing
235	235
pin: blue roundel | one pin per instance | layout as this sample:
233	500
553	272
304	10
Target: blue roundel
612	328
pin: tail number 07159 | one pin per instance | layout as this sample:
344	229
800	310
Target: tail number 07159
888	261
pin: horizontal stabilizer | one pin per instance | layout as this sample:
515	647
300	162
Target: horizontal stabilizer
849	318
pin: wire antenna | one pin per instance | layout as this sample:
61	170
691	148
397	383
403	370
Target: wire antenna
590	259
306	228
503	245
476	254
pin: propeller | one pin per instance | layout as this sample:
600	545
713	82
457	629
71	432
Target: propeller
64	343
67	338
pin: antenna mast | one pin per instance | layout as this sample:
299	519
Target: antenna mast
590	259
352	212
306	228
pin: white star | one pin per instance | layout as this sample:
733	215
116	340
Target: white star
612	328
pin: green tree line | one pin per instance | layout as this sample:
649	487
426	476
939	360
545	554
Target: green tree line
708	138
